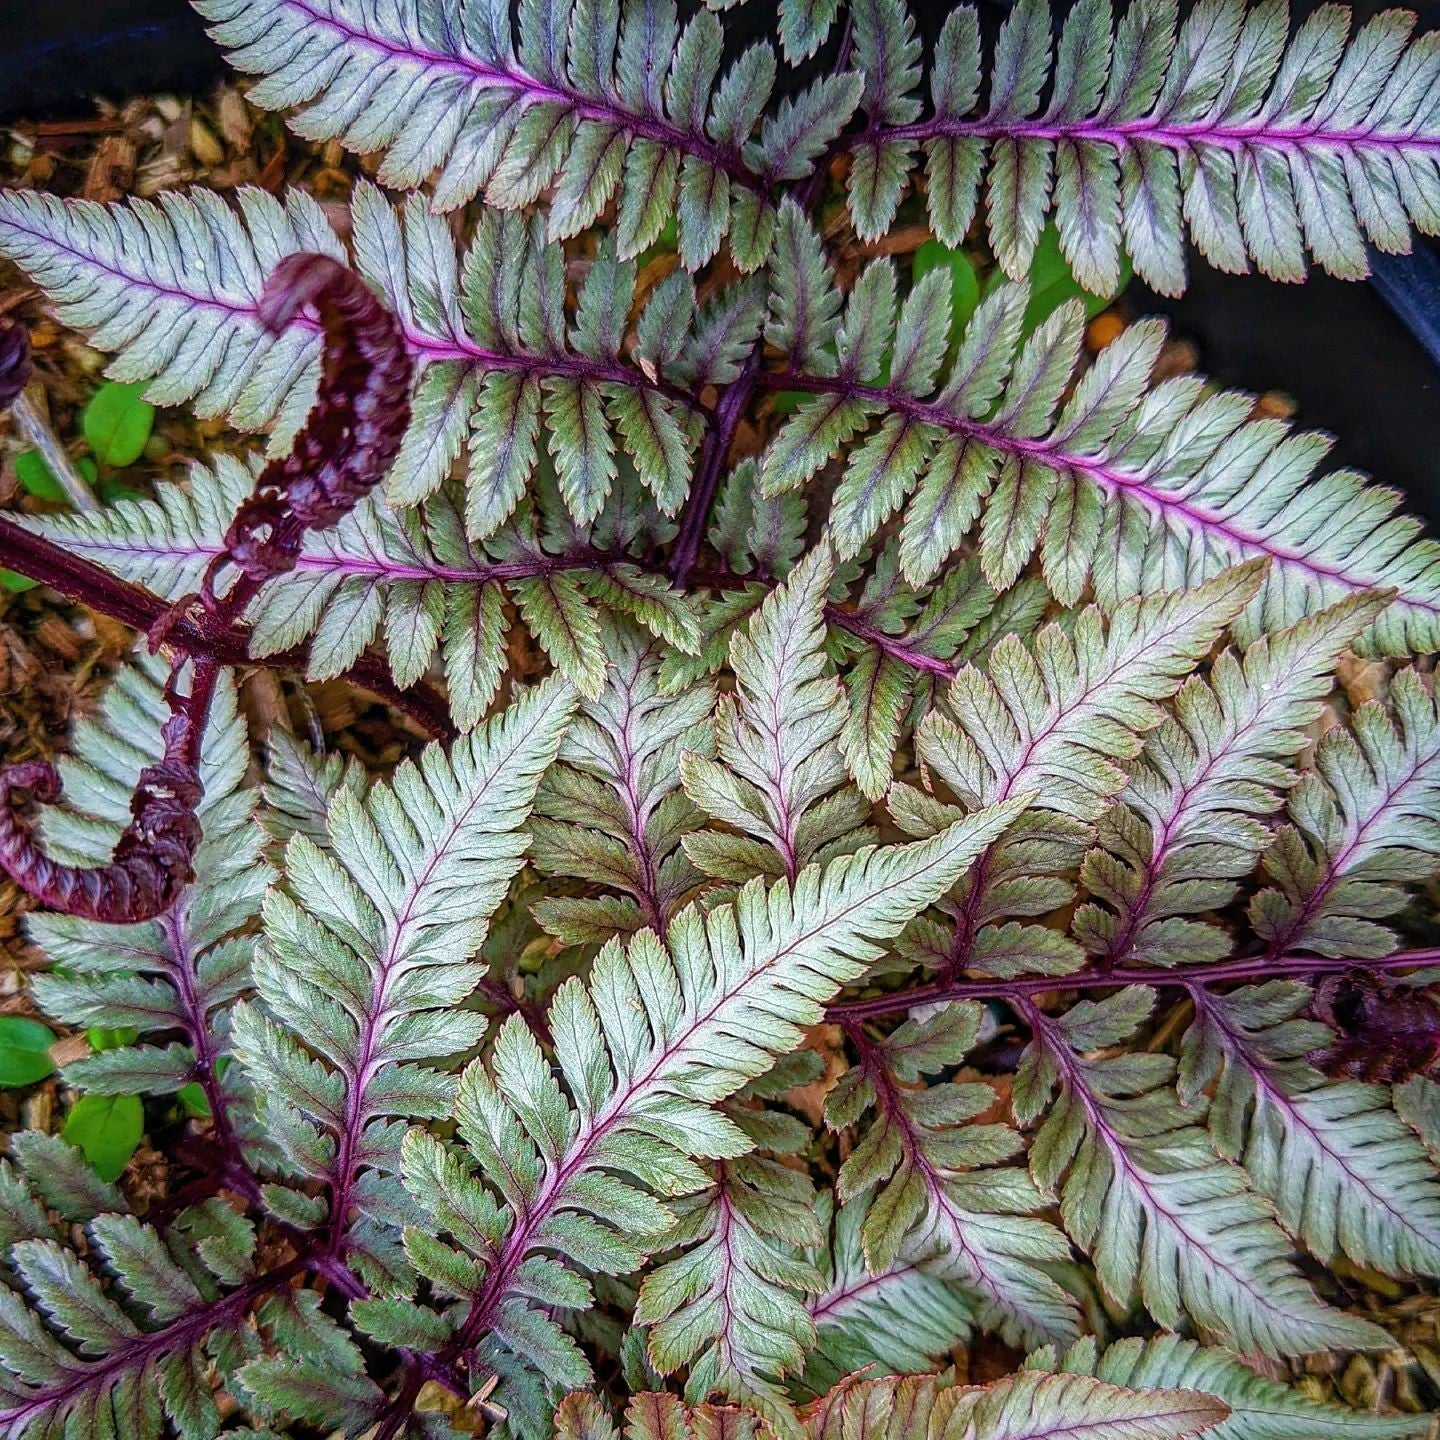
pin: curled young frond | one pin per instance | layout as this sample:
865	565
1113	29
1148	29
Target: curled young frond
153	860
350	437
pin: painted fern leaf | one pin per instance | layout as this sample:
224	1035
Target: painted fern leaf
778	776
612	813
122	1341
174	289
902	648
651	1415
360	982
902	1319
1131	133
409	577
1261	144
938	1187
177	973
1113	481
1260	1408
1346	1174
1145	1196
731	1307
1190	822
892	641
1055	719
646	1049
1026	1406
301	784
1360	826
597	102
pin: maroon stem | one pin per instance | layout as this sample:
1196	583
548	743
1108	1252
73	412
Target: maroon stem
1254	967
1181	136
198	633
737	397
713	453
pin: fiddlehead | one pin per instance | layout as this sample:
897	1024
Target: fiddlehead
154	858
349	439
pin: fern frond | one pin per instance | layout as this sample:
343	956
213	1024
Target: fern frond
1345	1173
732	1306
778	776
181	971
612	813
175	288
409	576
132	1355
937	1185
1125	485
609	100
1054	718
1260	1408
1361	826
369	951
504	364
656	1039
902	648
1262	151
651	1415
1190	822
1026	1406
892	641
301	784
1144	1194
1262	144
901	1320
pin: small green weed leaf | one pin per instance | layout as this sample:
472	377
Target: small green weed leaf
1052	283
101	1038
24	1050
117	423
106	1129
34	474
964	284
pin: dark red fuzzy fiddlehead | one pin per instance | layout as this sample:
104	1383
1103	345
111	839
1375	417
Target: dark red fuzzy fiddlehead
349	440
154	857
14	362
